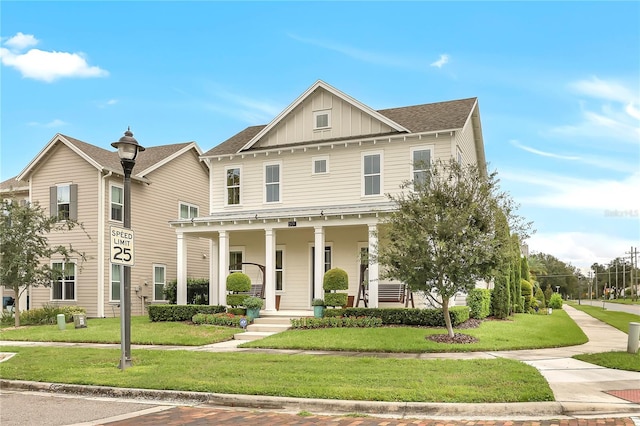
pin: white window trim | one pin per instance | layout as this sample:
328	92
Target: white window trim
153	279
313	165
326	112
362	180
189	206
264	181
62	185
284	268
75	281
241	250
226	188
430	147
111	186
111	299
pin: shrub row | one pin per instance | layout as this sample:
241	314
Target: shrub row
479	303
48	314
223	319
403	316
335	322
181	312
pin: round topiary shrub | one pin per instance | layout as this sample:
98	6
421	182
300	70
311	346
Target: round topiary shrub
238	282
527	293
335	279
555	301
335	299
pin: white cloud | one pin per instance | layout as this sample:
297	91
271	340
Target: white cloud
21	41
44	65
574	193
51	124
602	89
542	153
440	62
578	248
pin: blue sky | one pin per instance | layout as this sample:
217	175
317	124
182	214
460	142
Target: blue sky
558	87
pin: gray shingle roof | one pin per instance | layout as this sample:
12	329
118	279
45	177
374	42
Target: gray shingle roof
417	119
12	184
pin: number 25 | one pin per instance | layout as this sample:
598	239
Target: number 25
122	254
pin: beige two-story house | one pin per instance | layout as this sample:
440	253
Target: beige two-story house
307	191
77	180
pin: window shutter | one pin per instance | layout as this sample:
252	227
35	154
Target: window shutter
53	200
73	202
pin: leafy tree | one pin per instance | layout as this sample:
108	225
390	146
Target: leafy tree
24	248
557	273
442	237
501	295
524	269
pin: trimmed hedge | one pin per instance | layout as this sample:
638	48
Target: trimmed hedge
479	303
335	299
403	316
236	300
181	312
335	322
223	319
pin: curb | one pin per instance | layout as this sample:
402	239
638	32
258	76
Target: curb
537	410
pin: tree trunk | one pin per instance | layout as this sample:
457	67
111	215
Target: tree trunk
16	309
447	318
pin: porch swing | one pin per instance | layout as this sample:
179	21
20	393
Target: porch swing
396	293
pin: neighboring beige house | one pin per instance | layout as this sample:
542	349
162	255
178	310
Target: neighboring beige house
84	182
316	177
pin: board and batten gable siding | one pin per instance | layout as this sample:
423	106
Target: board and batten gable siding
346	121
152	207
299	187
63	166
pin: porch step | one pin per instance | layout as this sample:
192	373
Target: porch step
252	335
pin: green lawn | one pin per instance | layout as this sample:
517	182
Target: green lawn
619	320
523	331
107	330
625	301
617	360
304	376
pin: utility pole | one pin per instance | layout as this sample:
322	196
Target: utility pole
616	279
633	255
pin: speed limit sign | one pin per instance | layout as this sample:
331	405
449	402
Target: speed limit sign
121	246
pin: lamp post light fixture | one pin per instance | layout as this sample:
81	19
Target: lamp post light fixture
128	149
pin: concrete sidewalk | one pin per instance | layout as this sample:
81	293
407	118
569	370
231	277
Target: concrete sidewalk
580	389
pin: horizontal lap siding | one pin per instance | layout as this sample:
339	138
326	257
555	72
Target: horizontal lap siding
342	185
63	166
465	140
153	206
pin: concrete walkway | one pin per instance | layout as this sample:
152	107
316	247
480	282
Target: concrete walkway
579	388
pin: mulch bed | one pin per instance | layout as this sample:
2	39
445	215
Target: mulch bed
459	338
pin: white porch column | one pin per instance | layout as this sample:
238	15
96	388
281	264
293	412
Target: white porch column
318	272
182	269
223	266
214	294
270	270
373	267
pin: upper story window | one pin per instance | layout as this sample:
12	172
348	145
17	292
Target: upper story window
117	203
63	285
372	173
272	183
63	201
420	163
233	185
320	165
322	119
188	211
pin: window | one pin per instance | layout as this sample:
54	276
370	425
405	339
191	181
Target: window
116	280
159	280
372	174
63	285
235	261
272	183
188	211
117	203
63	201
233	186
320	165
420	162
322	119
279	269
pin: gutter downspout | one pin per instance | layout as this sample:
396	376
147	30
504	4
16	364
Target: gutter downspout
101	231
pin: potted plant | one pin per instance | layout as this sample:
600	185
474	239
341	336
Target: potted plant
318	308
253	305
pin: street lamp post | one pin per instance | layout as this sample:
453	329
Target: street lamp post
128	149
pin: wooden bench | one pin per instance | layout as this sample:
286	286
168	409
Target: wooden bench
391	293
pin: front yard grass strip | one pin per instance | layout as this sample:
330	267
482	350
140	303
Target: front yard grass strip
617	319
617	360
522	331
303	376
107	330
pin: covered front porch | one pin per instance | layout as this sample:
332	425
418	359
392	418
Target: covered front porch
284	243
